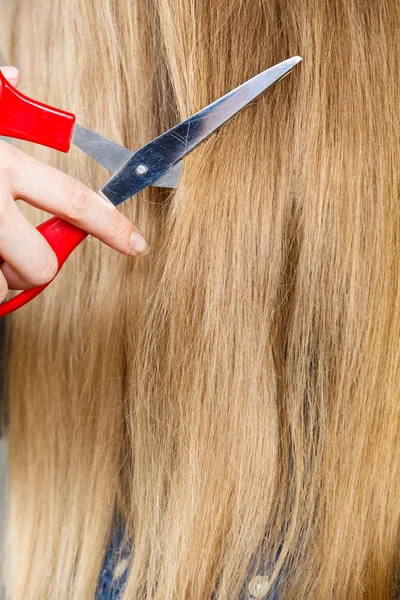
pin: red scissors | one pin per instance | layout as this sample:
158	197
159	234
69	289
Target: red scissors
158	163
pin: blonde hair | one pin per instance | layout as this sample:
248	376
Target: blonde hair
234	395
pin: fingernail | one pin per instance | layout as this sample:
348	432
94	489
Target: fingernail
138	243
10	72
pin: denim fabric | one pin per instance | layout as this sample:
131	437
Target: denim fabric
114	572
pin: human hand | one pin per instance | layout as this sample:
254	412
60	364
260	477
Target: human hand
29	259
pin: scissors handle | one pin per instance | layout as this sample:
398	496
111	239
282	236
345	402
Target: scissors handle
26	119
63	238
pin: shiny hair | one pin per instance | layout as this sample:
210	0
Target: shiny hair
232	397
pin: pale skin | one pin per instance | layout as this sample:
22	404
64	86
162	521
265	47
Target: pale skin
29	259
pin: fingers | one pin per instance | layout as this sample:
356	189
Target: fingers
47	188
11	74
13	280
23	248
29	258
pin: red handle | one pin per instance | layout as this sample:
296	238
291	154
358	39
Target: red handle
63	238
26	119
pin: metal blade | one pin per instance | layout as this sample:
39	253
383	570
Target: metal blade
154	160
110	155
171	179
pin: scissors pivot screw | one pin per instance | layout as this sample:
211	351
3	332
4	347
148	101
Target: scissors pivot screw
141	169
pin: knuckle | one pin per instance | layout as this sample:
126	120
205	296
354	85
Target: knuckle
78	202
7	162
119	225
48	268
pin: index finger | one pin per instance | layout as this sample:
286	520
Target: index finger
51	190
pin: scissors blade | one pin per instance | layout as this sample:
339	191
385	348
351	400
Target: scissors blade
112	156
156	159
171	179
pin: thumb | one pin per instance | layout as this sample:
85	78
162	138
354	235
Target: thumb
11	74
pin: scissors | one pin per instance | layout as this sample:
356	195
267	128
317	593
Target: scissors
158	163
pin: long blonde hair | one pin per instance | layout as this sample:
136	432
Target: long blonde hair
234	395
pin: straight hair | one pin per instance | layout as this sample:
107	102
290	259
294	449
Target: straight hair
232	398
